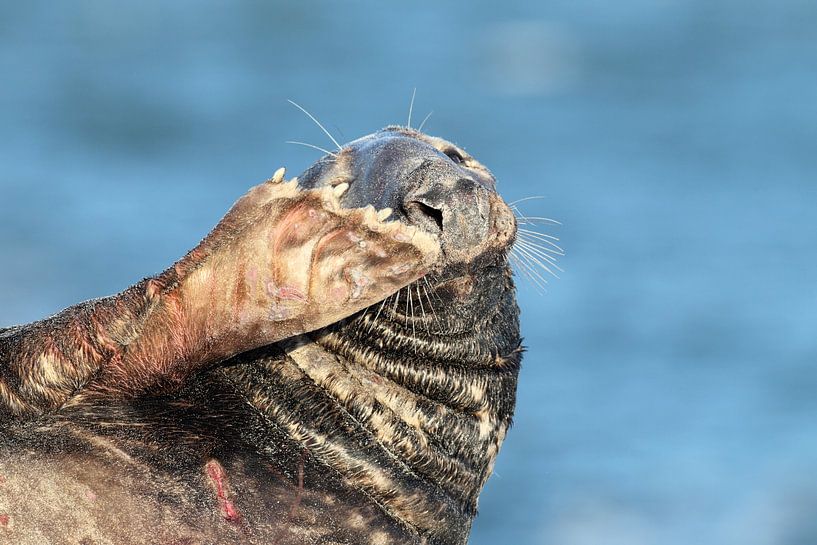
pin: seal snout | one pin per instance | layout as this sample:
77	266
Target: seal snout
457	209
427	182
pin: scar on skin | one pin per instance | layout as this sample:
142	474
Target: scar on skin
218	480
279	311
285	293
290	293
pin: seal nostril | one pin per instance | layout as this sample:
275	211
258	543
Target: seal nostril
423	214
435	214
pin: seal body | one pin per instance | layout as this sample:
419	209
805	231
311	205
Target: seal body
381	427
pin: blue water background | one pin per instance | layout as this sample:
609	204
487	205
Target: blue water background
669	393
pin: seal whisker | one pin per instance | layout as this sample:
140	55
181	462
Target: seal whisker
377	315
396	299
544	264
551	253
530	265
413	327
411	107
536	220
420	301
420	128
537	255
430	288
549	260
537	261
366	314
313	146
533	274
542	250
318	123
542	239
523	269
524	218
539	235
516	261
431	307
523	199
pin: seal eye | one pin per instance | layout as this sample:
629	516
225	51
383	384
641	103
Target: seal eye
455	156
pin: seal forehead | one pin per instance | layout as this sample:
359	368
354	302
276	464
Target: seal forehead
388	146
408	139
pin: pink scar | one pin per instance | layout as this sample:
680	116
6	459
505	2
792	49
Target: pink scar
290	293
285	293
218	480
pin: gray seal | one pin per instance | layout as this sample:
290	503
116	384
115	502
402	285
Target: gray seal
336	362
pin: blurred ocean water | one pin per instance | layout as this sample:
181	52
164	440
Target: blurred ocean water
668	392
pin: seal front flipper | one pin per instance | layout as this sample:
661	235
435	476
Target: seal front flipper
283	261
